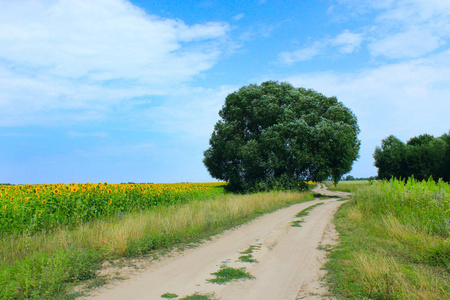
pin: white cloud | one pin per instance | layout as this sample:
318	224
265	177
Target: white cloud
411	28
409	44
63	59
405	29
238	17
401	29
409	89
347	42
257	32
301	54
414	11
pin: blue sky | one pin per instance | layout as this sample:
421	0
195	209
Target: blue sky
120	91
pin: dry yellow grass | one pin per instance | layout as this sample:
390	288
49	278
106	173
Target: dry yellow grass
355	214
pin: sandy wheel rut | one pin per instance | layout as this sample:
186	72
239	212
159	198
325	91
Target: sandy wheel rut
285	260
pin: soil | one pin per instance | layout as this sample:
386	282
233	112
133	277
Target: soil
289	260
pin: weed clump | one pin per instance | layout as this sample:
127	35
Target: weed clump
169	296
227	274
197	296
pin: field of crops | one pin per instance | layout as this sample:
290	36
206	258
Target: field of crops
31	208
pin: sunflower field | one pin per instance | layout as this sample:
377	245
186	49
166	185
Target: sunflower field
32	208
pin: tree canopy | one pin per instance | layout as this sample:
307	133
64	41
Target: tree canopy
275	135
422	156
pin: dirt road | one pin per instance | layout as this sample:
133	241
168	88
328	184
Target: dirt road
288	260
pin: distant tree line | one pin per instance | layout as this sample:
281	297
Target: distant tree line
351	178
422	156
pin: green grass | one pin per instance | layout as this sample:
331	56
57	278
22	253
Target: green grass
348	186
46	264
250	249
303	213
198	296
297	223
97	281
195	296
394	243
227	274
169	296
248	258
306	211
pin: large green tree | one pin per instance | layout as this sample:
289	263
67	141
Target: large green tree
275	135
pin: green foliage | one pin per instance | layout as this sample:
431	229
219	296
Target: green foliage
275	135
389	158
349	178
421	157
394	242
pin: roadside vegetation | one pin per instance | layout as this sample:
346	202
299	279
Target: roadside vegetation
348	186
43	264
394	242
